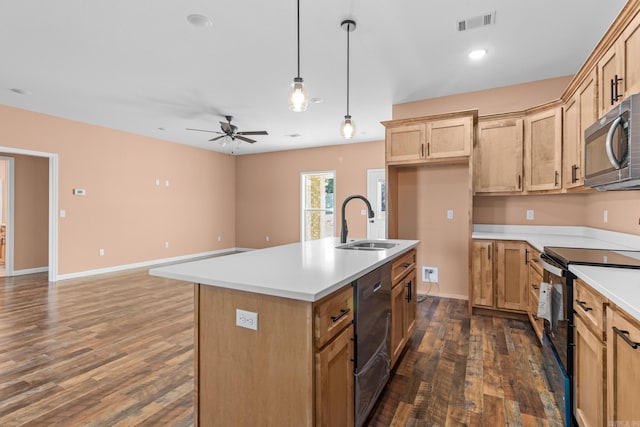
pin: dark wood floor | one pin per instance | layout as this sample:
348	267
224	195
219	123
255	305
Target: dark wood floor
118	350
462	370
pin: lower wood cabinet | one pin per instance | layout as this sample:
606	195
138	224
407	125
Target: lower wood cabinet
535	278
499	275
334	384
403	304
623	369
589	376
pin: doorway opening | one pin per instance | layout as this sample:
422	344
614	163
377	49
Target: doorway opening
377	195
52	257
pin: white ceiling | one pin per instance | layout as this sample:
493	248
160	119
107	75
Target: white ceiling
139	65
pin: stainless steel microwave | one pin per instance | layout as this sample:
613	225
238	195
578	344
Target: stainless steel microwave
612	148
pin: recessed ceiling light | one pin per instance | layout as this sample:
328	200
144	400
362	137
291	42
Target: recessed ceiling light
162	129
201	21
477	54
21	91
317	100
294	135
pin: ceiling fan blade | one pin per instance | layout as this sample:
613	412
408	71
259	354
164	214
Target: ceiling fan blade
253	132
218	137
242	138
204	130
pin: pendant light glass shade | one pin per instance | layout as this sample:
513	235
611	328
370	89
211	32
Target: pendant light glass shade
298	99
348	128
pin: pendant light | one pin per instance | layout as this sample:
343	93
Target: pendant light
348	128
298	99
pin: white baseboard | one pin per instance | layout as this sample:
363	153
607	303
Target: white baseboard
141	264
30	271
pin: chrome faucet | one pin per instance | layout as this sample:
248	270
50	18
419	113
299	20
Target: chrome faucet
344	230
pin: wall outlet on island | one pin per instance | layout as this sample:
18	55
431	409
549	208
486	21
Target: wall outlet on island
247	319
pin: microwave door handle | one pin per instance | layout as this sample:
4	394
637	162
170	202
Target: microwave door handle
609	143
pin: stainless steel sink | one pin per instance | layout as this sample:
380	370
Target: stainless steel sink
368	245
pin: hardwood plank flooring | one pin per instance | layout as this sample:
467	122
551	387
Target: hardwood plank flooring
104	351
117	350
462	370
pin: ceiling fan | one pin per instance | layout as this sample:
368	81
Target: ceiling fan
231	131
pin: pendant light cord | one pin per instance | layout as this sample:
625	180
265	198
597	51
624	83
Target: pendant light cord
298	38
348	31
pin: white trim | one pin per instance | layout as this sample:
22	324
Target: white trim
444	295
53	209
9	220
30	271
370	173
147	263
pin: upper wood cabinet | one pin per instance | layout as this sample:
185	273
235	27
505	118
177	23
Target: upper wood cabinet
579	113
619	68
405	143
497	154
543	148
450	138
431	138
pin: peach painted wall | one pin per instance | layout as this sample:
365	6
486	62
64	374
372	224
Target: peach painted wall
557	209
124	212
424	196
268	190
623	211
31	216
491	101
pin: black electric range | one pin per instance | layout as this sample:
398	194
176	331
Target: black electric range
597	257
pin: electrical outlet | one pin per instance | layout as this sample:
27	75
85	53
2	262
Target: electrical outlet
605	216
450	214
247	319
430	274
267	238
219	238
530	214
166	244
101	252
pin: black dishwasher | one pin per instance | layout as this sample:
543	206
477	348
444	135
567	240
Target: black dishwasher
372	318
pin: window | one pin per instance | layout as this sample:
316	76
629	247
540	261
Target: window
317	205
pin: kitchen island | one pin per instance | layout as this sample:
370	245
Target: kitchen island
278	373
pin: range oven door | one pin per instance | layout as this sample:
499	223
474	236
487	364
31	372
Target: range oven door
558	339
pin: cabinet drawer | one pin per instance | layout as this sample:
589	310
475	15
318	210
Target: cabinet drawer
401	266
589	305
534	259
332	314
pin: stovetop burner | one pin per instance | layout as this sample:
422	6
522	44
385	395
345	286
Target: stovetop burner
597	257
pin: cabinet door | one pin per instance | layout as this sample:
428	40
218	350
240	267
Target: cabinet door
588	115
511	276
449	138
498	156
482	271
589	377
543	150
410	296
629	51
335	383
535	278
398	336
570	142
623	369
405	143
608	70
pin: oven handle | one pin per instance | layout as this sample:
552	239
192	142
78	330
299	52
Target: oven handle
549	265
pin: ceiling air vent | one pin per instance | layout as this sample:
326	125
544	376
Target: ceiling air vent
477	21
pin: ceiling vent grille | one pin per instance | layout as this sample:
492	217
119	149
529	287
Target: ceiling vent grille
477	21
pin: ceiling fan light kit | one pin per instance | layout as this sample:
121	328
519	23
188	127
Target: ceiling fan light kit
348	127
298	99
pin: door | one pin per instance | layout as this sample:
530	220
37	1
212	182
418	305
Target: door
377	196
317	211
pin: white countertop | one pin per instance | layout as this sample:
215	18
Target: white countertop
620	285
304	271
